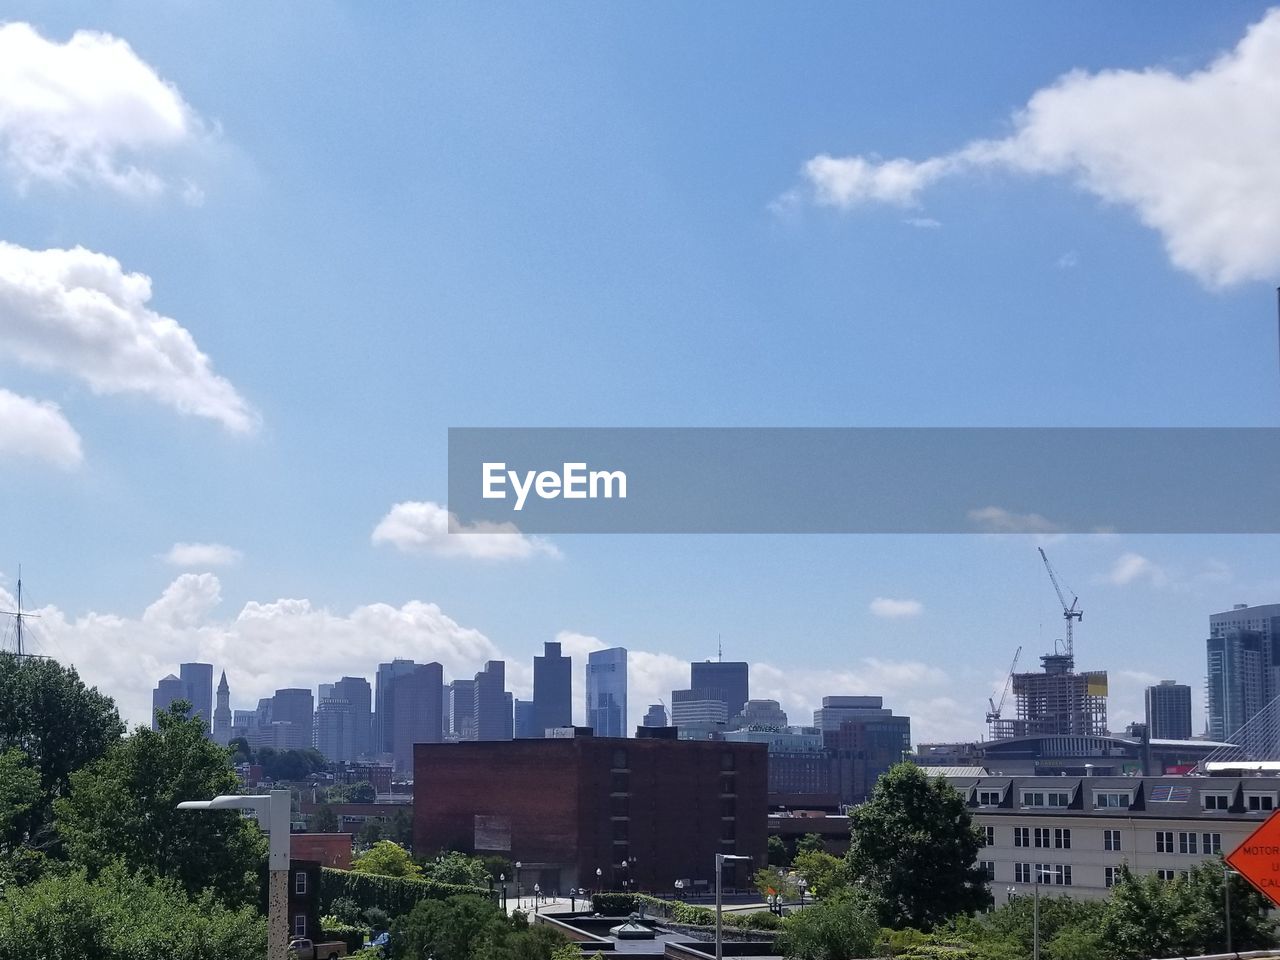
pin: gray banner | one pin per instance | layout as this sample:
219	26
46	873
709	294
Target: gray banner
865	480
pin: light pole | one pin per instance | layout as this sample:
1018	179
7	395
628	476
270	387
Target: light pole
599	874
721	860
502	878
272	813
804	885
518	866
1226	902
537	892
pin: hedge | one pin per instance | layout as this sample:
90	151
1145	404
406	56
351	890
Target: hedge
613	904
396	895
693	915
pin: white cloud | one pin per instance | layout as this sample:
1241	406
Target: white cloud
1068	260
32	429
78	312
424	527
1132	567
1192	155
891	609
88	111
999	520
202	555
923	223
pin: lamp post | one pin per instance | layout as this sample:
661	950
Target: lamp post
721	860
537	892
518	866
502	878
272	813
1226	902
599	874
804	885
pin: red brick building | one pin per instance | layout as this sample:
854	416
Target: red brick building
644	812
326	849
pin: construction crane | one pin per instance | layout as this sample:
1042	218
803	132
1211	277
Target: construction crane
1069	612
994	714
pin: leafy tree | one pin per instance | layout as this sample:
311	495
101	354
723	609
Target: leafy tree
470	928
778	856
323	820
1150	917
772	881
399	828
241	752
824	873
362	792
370	832
1065	921
496	865
455	867
59	723
123	808
19	796
810	843
123	917
289	764
387	859
840	928
915	846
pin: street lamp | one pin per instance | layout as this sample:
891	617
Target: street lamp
537	891
721	860
599	874
518	866
502	878
272	813
804	885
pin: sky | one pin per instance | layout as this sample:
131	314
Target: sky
253	267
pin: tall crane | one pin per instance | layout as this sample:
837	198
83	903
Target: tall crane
1069	612
994	713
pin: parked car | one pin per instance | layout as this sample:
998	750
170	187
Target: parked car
381	943
300	948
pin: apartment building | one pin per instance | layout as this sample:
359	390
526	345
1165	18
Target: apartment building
1074	833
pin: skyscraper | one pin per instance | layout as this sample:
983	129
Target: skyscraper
656	716
607	692
382	731
335	726
169	689
525	728
493	719
1243	654
413	700
198	678
552	689
1169	711
722	680
293	706
222	714
461	708
356	691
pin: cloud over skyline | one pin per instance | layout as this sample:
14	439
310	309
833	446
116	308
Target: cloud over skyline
424	527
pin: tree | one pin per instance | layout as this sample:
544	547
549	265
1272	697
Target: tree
810	843
399	829
59	723
824	873
121	916
1068	928
323	820
362	792
241	752
915	846
19	796
1150	917
370	832
470	928
387	859
778	856
841	928
122	808
455	867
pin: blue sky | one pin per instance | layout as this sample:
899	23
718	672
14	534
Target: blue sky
380	224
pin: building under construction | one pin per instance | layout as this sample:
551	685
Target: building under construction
1057	700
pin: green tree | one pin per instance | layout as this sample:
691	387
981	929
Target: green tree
241	752
778	856
370	832
399	828
362	792
915	846
824	873
771	881
123	917
123	808
323	820
19	797
1067	927
59	723
1150	917
455	867
470	928
387	859
810	843
840	928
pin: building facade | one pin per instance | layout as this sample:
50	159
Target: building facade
655	716
552	689
1169	711
169	689
222	713
607	692
198	680
1243	665
728	681
493	708
414	704
461	708
292	717
648	811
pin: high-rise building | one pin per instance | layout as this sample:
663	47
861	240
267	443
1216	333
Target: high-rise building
461	708
335	726
222	713
863	748
762	715
356	691
835	710
493	708
552	689
525	727
722	680
293	706
697	707
198	678
656	716
383	732
1169	711
169	689
243	724
607	692
414	704
1243	653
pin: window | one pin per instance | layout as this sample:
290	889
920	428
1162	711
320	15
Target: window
1164	841
1216	801
1060	799
1260	801
728	806
1021	836
300	925
619	759
1022	873
1042	836
1110	839
728	830
726	761
988	798
1062	838
621	782
300	881
1211	843
989	868
620	806
622	830
1108	799
990	834
728	783
1173	874
1187	843
1051	798
1110	875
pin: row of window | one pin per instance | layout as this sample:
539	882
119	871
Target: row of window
1123	799
1059	874
1059	838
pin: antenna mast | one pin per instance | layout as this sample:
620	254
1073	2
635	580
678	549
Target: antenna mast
18	615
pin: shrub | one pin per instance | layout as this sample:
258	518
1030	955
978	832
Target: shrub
395	895
840	928
348	933
760	920
613	904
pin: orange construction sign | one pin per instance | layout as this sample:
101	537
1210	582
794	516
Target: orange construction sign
1258	858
